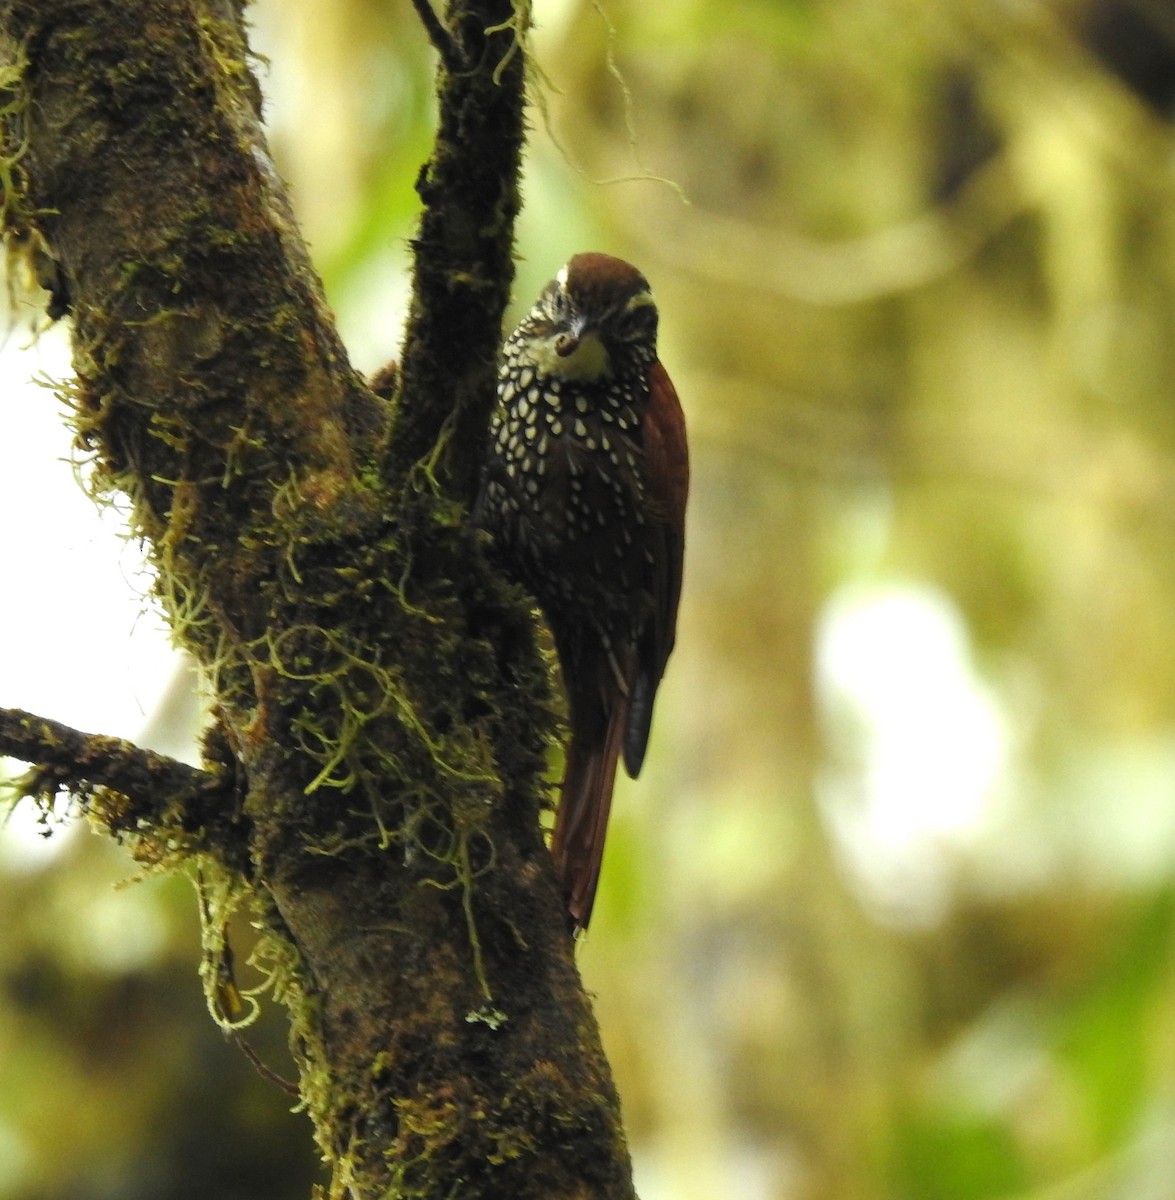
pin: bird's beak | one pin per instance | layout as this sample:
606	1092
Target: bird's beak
567	343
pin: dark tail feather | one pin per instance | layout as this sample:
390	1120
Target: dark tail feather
581	822
638	723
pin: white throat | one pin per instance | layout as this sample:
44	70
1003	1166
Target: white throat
587	362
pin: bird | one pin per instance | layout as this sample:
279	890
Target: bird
584	492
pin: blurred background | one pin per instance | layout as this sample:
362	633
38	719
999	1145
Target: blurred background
891	913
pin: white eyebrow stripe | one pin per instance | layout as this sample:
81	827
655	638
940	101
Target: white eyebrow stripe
640	300
561	278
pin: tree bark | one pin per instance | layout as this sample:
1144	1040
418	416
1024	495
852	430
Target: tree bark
375	771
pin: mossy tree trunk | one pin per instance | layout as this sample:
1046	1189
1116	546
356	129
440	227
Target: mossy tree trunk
375	770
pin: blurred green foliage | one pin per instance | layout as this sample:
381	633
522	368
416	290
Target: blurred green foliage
920	310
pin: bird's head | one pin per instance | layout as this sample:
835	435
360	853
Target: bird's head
598	309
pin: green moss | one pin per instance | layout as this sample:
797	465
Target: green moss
509	1135
29	267
519	27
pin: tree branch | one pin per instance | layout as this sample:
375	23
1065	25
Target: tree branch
464	249
66	759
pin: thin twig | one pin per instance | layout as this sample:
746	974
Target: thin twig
264	1069
440	37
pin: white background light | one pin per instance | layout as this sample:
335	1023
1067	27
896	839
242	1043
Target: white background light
919	742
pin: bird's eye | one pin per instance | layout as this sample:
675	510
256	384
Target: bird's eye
637	319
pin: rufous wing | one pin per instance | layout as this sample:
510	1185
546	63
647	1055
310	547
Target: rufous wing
666	465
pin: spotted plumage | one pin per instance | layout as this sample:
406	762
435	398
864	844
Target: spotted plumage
584	491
